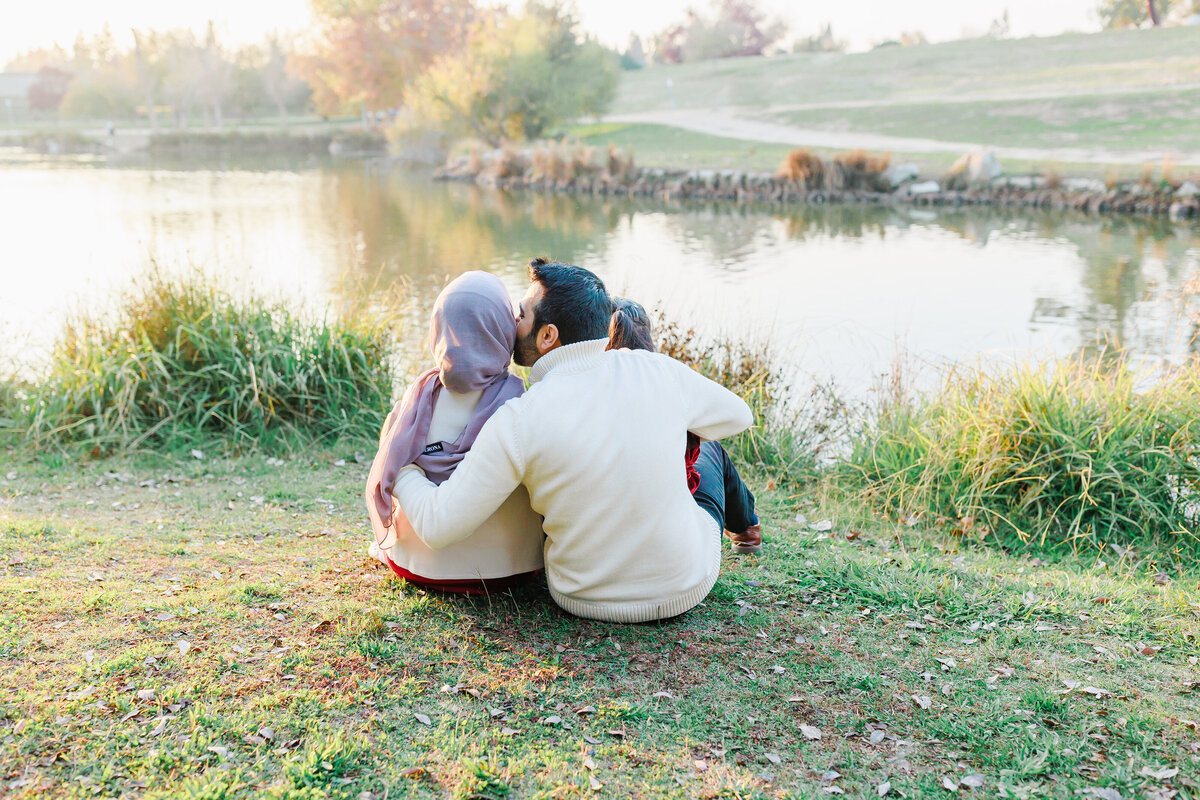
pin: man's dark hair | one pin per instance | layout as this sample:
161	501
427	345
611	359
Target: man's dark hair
574	300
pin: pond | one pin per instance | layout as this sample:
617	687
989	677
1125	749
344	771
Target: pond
840	291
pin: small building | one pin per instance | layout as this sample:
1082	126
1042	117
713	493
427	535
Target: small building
14	89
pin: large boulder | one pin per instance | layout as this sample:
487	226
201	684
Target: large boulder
973	169
899	174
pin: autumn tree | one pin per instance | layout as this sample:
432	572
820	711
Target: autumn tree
517	76
48	92
729	28
365	53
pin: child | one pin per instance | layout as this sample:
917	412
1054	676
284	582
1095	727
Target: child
711	476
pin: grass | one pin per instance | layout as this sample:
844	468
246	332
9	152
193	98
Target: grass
1072	64
668	147
1076	454
181	361
1149	121
1117	91
674	148
309	672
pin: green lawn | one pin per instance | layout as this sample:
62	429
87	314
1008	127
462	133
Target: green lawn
1165	58
212	629
1117	122
676	148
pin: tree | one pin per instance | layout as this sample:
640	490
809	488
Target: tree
730	28
214	73
366	52
151	70
517	76
1116	14
47	93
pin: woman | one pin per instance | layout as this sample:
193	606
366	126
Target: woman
471	336
711	476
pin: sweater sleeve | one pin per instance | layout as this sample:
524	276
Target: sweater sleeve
484	479
713	412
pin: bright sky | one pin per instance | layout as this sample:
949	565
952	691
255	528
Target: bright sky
859	21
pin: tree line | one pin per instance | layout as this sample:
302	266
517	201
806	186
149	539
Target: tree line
455	67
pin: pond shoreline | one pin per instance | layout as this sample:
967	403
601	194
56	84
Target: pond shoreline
736	186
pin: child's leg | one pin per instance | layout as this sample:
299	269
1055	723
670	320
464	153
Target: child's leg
739	501
711	494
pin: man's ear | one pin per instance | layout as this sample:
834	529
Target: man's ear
547	338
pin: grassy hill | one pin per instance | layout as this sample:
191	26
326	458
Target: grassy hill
975	69
1120	92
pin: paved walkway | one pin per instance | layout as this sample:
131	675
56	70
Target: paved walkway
735	124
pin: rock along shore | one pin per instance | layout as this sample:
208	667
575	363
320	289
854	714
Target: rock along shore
1033	192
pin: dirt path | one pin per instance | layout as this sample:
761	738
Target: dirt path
732	123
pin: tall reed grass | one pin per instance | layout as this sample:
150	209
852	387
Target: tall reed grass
794	433
180	360
1070	454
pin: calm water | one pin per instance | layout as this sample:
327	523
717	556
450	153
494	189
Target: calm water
842	290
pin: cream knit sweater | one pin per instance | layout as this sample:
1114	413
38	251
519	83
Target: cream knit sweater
598	441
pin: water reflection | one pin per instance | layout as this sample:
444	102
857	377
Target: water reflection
843	286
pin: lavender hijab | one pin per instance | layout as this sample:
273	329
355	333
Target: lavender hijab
471	336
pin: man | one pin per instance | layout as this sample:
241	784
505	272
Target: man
598	441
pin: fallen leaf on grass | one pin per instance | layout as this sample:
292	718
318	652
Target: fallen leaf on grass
324	626
15	559
412	772
876	737
949	784
975	781
773	758
883	788
590	739
1104	793
509	731
1158	774
666	695
921	700
700	765
778	670
424	720
810	732
89	656
184	645
198	455
552	720
823	525
588	763
145	694
947	663
595	784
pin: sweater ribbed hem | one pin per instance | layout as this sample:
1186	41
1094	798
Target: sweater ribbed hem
646	610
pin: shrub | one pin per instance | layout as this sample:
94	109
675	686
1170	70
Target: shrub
801	166
180	359
858	169
1065	454
793	434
